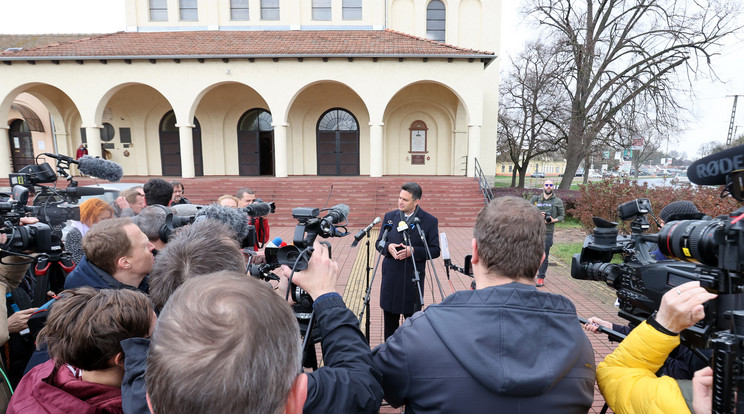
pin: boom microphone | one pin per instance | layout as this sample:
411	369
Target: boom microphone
713	169
258	209
77	192
233	217
96	167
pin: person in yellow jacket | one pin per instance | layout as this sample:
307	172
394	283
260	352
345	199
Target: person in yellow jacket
627	376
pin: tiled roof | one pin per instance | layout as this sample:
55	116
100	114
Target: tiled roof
220	44
28	41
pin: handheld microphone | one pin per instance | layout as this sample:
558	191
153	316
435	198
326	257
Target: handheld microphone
275	243
360	235
713	169
96	167
402	226
386	229
444	248
336	214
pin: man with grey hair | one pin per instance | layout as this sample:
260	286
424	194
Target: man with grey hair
227	343
504	347
150	220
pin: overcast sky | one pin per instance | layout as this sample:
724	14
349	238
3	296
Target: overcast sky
711	107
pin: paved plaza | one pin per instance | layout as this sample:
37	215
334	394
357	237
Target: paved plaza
590	298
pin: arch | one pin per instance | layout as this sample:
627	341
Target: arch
21	145
170	146
430	82
436	21
256	143
106	97
337	138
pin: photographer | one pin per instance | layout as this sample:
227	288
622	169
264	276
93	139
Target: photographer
552	210
245	197
627	377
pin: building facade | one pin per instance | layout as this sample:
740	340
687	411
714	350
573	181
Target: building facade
269	87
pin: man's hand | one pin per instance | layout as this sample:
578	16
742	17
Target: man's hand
401	254
702	391
19	320
595	323
682	307
321	274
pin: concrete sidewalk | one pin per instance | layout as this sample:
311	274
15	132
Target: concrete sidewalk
590	298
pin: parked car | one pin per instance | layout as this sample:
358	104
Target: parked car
538	174
681	180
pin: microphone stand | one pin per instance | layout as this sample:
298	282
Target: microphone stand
416	279
365	304
428	256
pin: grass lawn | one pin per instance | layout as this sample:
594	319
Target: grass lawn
529	182
564	251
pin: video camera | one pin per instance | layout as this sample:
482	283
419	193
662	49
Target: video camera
36	237
709	251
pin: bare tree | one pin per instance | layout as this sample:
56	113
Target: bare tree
620	50
531	114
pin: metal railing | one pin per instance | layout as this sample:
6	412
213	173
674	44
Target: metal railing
485	187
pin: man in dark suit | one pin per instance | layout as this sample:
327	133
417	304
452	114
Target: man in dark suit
399	294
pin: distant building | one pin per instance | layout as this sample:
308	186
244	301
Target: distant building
267	87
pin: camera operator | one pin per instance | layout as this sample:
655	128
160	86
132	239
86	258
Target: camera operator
627	377
227	307
552	210
12	270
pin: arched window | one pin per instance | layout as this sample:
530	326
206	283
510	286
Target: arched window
338	143
435	20
256	143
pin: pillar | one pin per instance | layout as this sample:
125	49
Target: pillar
5	152
186	141
474	145
93	137
375	149
280	149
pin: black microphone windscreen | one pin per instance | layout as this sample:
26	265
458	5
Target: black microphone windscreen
258	209
713	169
233	217
96	167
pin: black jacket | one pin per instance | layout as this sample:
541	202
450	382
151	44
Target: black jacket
502	349
349	382
398	293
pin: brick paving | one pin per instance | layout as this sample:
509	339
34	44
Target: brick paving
590	298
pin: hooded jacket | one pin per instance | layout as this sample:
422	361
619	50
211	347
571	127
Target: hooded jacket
507	348
46	389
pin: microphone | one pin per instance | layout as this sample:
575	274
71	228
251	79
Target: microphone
402	226
336	214
258	209
386	229
361	233
96	167
233	217
444	248
277	242
713	169
77	192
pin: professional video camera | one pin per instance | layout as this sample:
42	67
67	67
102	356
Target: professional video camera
35	237
708	251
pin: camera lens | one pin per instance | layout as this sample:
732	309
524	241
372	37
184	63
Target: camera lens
692	240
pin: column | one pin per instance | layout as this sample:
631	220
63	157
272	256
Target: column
280	149
474	145
186	141
375	149
93	136
5	160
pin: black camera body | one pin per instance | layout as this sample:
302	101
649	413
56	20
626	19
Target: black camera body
548	218
37	237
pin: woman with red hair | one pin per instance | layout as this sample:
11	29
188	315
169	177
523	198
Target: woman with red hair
91	212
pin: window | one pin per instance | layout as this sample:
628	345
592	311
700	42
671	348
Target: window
352	10
503	168
269	9
435	19
107	132
188	11
510	168
158	10
321	9
239	10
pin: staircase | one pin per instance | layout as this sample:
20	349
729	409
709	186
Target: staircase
455	201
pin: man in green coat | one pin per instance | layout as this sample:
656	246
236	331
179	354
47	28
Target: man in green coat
552	209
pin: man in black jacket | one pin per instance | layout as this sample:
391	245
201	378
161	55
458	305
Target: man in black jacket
226	342
504	347
399	293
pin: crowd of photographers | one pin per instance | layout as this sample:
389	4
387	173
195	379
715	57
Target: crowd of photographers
161	318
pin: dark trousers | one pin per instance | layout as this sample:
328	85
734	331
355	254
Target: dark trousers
392	321
544	265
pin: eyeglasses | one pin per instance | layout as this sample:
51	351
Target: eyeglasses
548	185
